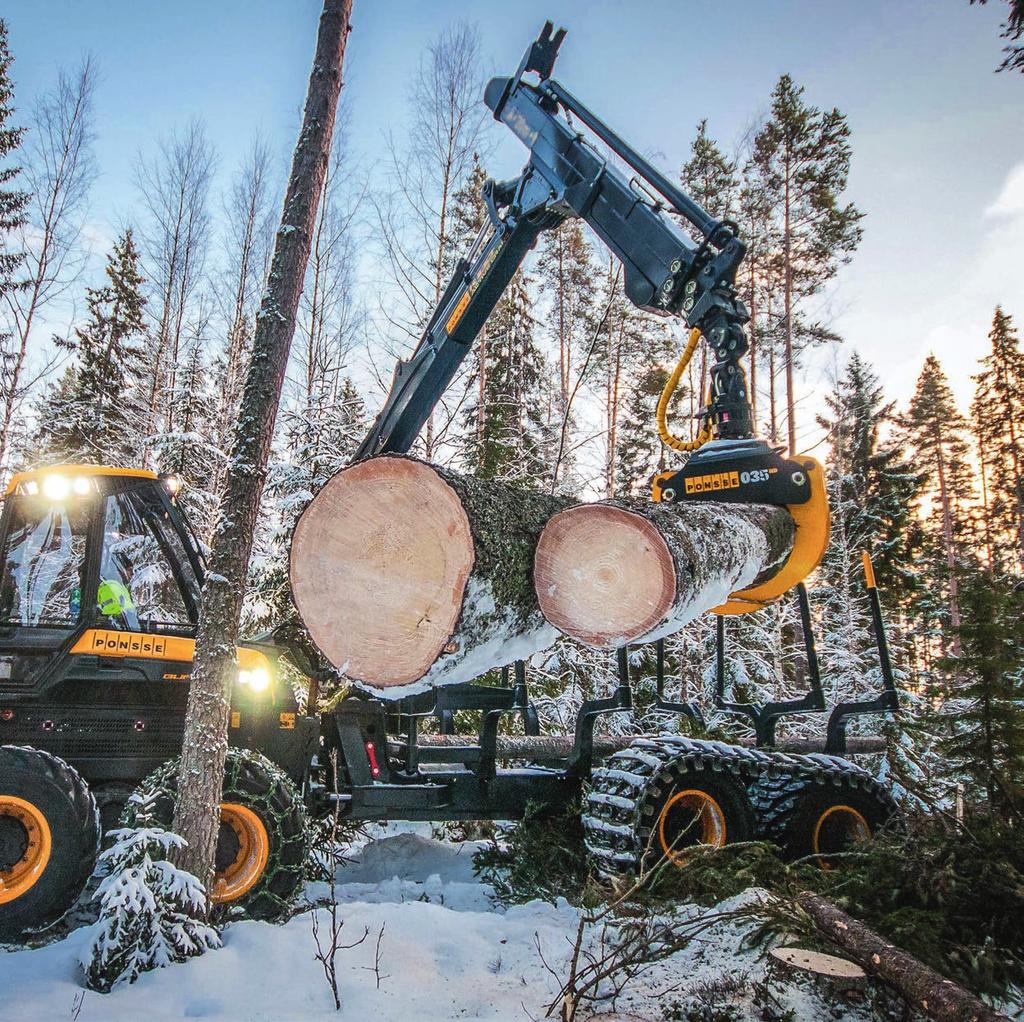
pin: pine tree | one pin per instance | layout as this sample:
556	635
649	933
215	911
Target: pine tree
935	431
803	155
13	201
984	712
997	417
99	418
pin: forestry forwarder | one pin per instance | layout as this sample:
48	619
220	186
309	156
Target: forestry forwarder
100	577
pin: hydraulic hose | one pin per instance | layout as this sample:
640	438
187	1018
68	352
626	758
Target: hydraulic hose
669	438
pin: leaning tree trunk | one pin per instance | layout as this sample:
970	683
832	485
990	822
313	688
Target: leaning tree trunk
408	576
923	988
196	816
627	571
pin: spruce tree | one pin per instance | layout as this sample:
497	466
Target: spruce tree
99	419
935	431
803	156
507	433
639	453
873	485
984	711
189	451
872	489
13	201
997	417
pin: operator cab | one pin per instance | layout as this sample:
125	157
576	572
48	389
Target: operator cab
87	548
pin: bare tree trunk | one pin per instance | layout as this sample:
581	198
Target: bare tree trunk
922	987
196	816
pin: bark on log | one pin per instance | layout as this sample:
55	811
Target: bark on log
922	987
628	571
409	576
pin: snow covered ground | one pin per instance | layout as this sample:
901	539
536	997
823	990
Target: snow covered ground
447	952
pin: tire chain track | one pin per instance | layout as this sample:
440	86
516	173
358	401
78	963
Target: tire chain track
625	793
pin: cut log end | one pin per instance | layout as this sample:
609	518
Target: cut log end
603	575
379	564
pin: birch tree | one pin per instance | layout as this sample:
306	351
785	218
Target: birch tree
246	238
174	188
415	217
13	200
59	170
204	748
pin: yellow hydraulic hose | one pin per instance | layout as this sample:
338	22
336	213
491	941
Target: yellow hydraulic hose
668	438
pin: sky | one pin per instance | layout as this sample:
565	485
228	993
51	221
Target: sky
938	138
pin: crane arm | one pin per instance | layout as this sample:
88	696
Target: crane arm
665	271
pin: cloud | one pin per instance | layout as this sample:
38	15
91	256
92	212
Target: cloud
1011	199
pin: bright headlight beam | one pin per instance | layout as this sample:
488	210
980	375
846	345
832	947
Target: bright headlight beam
56	487
257	679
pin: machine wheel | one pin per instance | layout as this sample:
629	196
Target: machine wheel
693	807
662	797
261	849
49	839
821	815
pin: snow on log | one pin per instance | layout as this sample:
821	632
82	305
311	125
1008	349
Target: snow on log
626	571
409	576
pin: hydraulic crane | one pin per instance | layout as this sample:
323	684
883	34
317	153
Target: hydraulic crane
101	577
665	272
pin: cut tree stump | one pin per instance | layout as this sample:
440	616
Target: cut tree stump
830	974
626	571
408	576
922	987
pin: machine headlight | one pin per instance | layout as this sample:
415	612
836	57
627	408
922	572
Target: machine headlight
56	487
258	679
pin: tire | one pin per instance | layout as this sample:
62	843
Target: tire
821	818
49	839
660	797
262	849
687	807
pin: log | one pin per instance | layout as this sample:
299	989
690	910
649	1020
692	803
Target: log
408	576
922	987
626	571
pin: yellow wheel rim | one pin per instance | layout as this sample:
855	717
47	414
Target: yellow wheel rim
837	828
245	871
706	825
23	874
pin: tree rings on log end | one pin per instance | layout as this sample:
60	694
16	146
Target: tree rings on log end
379	564
603	575
837	972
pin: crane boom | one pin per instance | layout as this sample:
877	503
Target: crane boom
665	271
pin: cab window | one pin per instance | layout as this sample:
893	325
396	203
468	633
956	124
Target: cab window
43	564
146	582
